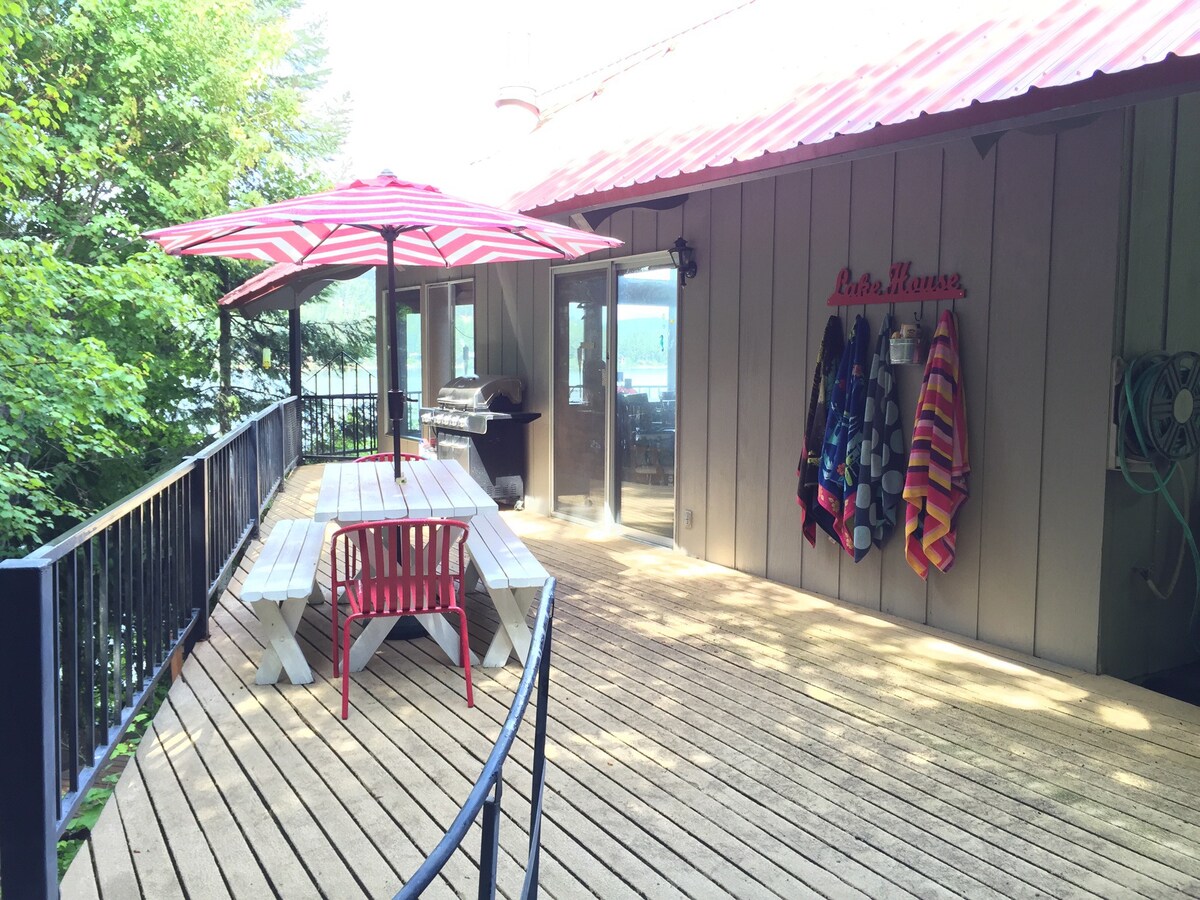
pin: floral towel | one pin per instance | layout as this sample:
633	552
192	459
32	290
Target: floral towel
828	359
831	477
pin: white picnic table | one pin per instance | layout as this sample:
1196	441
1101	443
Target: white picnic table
432	488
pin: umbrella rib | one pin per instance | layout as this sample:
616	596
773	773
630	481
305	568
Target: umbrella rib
196	242
521	234
315	247
380	230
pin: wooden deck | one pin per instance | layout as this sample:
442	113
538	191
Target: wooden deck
712	734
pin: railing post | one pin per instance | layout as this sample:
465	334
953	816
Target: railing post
198	527
281	414
28	781
255	481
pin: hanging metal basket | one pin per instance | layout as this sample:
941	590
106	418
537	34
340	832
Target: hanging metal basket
907	351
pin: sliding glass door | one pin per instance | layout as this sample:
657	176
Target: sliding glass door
646	317
615	394
581	393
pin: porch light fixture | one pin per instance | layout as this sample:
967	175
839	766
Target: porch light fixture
684	258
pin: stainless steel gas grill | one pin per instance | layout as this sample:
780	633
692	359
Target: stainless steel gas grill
478	421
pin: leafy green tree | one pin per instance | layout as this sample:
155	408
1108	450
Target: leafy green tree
176	109
117	116
65	398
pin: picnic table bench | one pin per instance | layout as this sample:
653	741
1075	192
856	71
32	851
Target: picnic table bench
512	577
281	582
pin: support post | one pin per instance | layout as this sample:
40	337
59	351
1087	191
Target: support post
225	371
28	780
295	361
396	398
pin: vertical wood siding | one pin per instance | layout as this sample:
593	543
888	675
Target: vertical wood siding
872	199
790	372
1083	278
752	441
1015	389
725	275
968	196
829	252
916	229
691	430
1035	227
1139	633
1183	333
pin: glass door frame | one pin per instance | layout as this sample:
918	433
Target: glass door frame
611	267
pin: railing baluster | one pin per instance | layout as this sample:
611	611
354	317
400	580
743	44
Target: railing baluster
71	672
56	594
537	788
489	849
117	600
99	578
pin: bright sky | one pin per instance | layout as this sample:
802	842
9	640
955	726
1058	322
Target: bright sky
442	63
423	77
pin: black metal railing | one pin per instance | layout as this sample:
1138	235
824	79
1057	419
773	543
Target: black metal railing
339	426
92	619
340	418
343	426
485	796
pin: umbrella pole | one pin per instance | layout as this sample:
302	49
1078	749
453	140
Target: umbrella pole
395	395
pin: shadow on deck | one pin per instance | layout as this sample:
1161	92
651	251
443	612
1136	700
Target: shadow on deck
711	734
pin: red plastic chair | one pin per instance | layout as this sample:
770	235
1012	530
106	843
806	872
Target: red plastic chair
380	582
389	457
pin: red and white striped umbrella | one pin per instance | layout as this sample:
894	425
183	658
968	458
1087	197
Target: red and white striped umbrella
382	221
352	223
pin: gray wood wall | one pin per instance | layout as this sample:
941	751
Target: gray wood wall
1037	227
1159	310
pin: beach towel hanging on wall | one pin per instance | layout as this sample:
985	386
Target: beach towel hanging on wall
880	480
828	360
935	486
854	416
831	477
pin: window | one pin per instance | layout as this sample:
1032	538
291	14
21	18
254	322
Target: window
449	332
408	340
435	332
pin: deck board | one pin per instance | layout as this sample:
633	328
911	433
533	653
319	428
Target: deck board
710	734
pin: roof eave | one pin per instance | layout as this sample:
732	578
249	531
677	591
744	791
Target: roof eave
1099	93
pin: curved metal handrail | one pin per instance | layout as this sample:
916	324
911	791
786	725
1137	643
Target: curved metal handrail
537	663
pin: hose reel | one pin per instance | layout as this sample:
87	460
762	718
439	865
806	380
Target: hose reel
1162	408
1158	421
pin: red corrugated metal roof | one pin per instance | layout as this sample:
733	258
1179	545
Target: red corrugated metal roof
761	80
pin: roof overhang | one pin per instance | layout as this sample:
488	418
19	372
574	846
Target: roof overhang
1102	92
